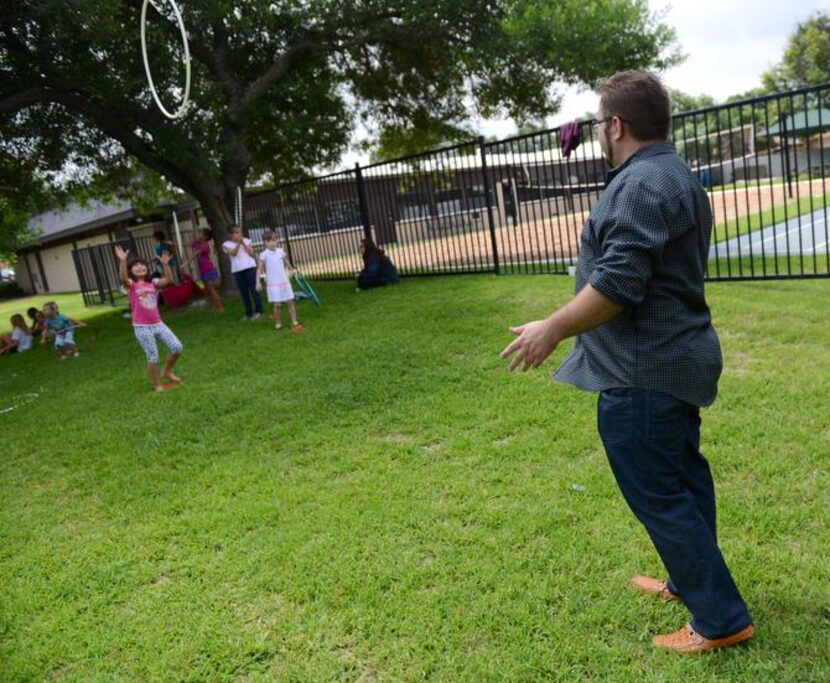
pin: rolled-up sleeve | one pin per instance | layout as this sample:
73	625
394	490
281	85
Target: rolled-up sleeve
631	238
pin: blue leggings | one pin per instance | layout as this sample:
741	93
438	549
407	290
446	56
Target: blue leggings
246	283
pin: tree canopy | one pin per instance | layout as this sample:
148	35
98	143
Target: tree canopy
279	86
806	59
682	101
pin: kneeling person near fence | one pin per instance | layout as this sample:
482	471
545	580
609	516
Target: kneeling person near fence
147	322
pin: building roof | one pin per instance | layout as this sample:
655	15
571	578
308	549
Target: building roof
76	219
802	123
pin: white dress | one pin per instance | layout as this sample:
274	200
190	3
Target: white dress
276	279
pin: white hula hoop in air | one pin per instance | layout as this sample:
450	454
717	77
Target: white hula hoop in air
186	98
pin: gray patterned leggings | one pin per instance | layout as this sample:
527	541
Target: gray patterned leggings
146	335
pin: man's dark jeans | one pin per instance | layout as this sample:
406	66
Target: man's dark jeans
246	283
653	445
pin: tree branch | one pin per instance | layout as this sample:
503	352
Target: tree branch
25	98
214	57
278	69
197	49
313	39
221	67
122	130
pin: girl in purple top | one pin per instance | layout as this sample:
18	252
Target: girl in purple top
147	324
208	273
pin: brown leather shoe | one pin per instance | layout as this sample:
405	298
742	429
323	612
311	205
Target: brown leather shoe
658	587
687	642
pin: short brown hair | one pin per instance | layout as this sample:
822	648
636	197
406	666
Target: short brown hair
641	100
269	235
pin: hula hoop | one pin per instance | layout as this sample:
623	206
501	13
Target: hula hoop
86	343
22	400
186	98
304	285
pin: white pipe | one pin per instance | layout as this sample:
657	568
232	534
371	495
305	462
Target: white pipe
178	237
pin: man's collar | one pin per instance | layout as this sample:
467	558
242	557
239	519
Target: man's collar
652	150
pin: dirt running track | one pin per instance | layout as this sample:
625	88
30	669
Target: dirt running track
546	244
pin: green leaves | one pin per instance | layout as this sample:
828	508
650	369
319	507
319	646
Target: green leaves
806	60
280	87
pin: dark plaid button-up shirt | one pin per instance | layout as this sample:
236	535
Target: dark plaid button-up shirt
644	247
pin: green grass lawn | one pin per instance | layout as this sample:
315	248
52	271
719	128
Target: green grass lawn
70	304
809	265
379	500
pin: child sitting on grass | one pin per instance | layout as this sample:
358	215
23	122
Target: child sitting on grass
62	328
19	340
272	268
147	324
38	326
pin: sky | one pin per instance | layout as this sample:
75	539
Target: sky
728	45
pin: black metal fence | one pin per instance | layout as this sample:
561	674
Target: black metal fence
97	268
518	205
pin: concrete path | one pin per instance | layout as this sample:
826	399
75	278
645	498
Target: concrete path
805	234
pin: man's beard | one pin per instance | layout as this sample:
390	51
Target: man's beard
607	152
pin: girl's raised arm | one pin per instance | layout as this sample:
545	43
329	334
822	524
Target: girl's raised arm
121	255
168	274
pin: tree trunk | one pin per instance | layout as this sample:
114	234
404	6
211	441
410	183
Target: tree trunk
220	219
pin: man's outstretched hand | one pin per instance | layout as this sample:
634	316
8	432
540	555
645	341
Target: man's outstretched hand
534	343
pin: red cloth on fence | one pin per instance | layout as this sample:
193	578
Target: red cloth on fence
570	137
180	294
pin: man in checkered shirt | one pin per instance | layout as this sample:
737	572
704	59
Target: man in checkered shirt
645	341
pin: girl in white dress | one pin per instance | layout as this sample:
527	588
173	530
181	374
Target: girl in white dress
272	268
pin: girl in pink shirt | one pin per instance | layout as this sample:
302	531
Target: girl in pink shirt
147	324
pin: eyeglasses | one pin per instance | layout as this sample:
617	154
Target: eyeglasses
596	124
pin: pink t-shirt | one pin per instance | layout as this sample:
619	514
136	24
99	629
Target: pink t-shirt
144	303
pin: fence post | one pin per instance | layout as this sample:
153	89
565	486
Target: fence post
363	203
785	151
490	220
81	279
97	273
278	195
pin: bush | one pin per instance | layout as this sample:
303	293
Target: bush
9	289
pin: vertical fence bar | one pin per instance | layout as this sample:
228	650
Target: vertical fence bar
363	203
485	176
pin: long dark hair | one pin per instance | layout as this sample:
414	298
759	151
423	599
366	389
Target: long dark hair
140	260
370	248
